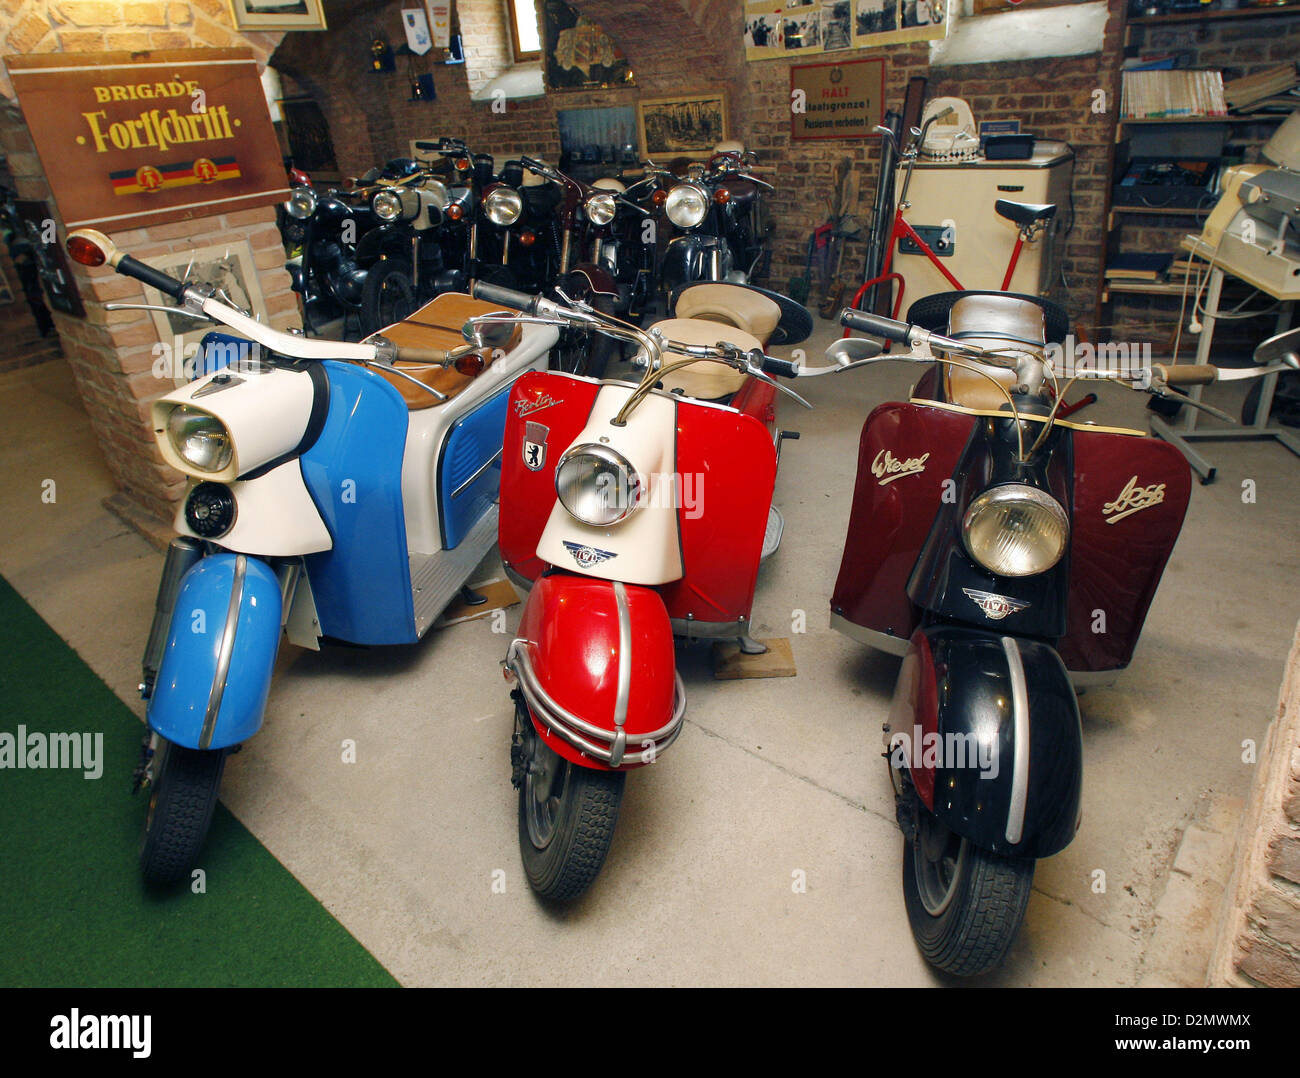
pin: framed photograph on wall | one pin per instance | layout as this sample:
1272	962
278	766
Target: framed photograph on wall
228	267
687	124
577	54
278	14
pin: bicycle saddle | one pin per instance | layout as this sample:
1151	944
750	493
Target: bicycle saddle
1024	213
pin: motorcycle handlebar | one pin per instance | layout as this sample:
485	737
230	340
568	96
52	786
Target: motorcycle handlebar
507	297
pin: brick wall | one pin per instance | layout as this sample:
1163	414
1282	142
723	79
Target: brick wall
112	352
1259	929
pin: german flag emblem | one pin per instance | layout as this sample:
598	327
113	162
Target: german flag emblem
149	178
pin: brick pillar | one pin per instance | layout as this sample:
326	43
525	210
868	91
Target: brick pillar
1259	927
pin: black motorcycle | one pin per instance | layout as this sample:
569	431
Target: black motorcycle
326	273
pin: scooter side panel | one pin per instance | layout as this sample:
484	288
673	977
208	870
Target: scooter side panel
1130	497
726	471
362	586
189	682
1009	781
468	481
904	455
572	629
554	408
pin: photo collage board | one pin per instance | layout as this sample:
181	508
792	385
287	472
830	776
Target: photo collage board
799	28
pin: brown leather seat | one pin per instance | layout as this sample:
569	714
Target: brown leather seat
437	325
732	305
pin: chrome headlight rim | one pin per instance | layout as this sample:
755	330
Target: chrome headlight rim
601	208
678	195
204	446
629	490
1043	520
503	206
387	206
301	203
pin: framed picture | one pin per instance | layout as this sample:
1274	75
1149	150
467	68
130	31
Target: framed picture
682	125
228	267
278	14
577	54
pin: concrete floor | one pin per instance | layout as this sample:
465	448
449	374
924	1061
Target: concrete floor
770	778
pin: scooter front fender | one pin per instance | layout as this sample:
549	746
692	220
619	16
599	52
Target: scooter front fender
988	728
594	659
216	667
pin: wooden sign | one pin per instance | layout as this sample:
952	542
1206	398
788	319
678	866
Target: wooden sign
135	139
839	100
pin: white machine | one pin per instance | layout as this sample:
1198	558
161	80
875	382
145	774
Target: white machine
952	209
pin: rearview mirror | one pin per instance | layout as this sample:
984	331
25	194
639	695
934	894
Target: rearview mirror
1282	348
848	350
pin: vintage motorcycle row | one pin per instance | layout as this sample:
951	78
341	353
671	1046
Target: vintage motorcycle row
346	492
409	231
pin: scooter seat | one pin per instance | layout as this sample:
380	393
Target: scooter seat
1024	213
706	380
730	304
437	325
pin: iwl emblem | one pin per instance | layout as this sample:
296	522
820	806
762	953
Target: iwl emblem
535	446
1133	499
587	556
995	607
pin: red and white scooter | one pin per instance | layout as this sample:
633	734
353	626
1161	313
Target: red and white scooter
630	512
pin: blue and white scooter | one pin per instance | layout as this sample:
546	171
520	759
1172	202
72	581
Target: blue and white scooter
336	490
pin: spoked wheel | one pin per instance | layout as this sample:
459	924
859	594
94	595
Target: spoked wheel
567	816
388	295
182	798
965	904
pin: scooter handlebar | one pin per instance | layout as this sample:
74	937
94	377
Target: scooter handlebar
783	368
877	325
422	355
507	297
92	248
1186	374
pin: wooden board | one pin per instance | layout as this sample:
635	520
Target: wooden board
500	594
730	663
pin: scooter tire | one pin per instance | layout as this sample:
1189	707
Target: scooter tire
987	905
568	863
388	295
182	799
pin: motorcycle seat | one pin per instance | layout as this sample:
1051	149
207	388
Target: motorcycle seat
1024	213
730	304
706	380
437	325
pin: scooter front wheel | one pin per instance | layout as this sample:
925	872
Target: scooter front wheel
964	904
182	798
567	816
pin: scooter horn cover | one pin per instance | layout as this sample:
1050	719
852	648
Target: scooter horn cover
595	661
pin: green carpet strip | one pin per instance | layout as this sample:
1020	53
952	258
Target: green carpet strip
74	912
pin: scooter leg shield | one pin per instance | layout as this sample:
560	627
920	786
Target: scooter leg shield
988	729
216	667
595	661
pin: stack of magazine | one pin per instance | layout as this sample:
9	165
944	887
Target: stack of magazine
1190	92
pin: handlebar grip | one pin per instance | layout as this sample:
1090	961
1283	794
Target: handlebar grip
876	325
133	267
784	368
507	297
1187	374
421	355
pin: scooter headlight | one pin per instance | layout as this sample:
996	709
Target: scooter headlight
503	206
1015	530
201	440
601	209
301	204
387	206
686	205
437	192
597	485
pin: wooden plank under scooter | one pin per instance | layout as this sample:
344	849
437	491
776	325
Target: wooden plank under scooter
730	663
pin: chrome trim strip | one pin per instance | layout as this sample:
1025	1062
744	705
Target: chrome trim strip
690	629
481	469
580	733
894	645
227	650
624	673
1020	762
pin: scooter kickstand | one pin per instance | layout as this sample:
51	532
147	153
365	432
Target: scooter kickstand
750	646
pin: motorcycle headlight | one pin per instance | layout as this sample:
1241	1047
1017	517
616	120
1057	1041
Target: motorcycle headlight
686	205
387	205
1015	530
601	209
301	204
503	206
437	192
200	440
597	485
